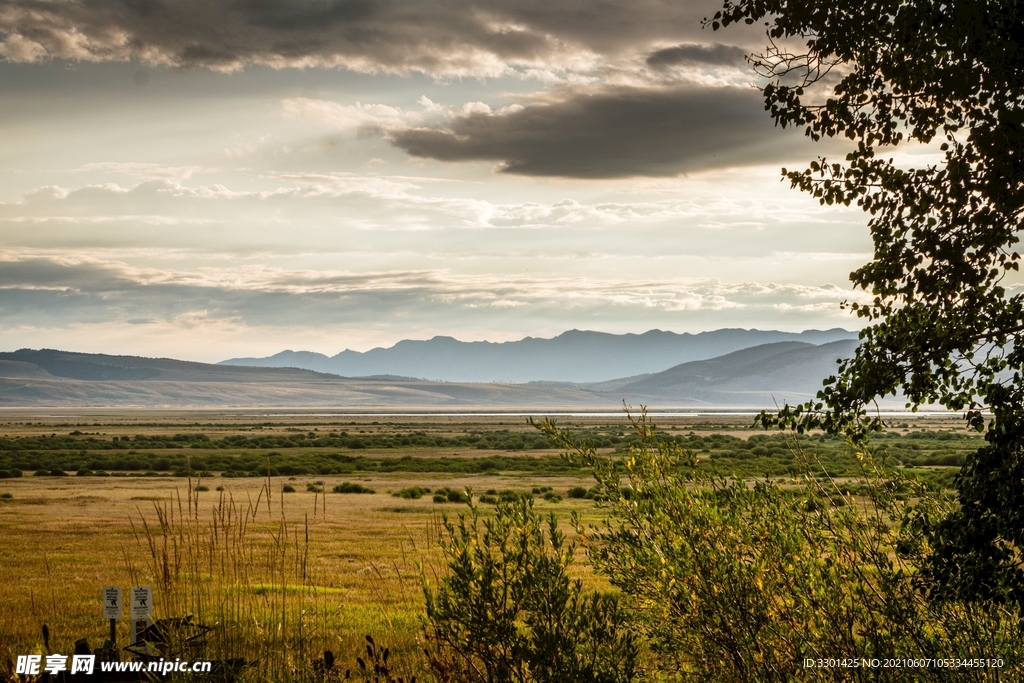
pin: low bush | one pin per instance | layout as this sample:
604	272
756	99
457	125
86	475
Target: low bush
450	495
576	492
349	487
411	492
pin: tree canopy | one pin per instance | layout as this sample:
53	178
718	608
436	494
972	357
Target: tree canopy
945	316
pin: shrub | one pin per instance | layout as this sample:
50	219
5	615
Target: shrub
506	610
202	488
6	496
287	488
318	487
729	581
450	495
349	487
552	497
576	492
83	472
411	492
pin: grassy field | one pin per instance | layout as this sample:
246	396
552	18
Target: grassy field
285	575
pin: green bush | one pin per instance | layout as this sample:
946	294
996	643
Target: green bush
287	488
6	496
576	492
450	495
411	492
732	580
506	610
349	487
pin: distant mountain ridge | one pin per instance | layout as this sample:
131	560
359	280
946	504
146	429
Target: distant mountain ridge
755	377
575	356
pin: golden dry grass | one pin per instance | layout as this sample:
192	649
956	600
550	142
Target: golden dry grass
321	569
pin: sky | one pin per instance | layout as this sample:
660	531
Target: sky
208	179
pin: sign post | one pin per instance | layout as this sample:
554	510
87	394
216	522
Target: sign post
112	610
142	608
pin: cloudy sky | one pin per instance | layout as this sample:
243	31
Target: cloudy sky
204	179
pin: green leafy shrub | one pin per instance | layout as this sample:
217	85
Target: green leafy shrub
730	580
6	496
315	487
411	492
450	495
349	487
506	610
287	488
576	492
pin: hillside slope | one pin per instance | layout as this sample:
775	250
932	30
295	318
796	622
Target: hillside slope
756	377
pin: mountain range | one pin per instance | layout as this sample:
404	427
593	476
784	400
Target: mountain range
754	377
574	356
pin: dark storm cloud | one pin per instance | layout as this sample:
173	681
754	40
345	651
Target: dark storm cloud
458	36
695	54
615	133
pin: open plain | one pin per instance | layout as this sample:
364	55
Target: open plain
200	506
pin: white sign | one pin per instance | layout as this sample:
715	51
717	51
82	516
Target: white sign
142	602
112	602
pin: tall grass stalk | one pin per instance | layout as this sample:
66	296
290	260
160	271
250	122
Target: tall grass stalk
243	570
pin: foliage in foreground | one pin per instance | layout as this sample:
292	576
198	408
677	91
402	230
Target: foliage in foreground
729	580
507	610
945	321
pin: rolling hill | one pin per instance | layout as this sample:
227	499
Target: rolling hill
754	377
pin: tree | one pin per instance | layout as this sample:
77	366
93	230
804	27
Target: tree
945	321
